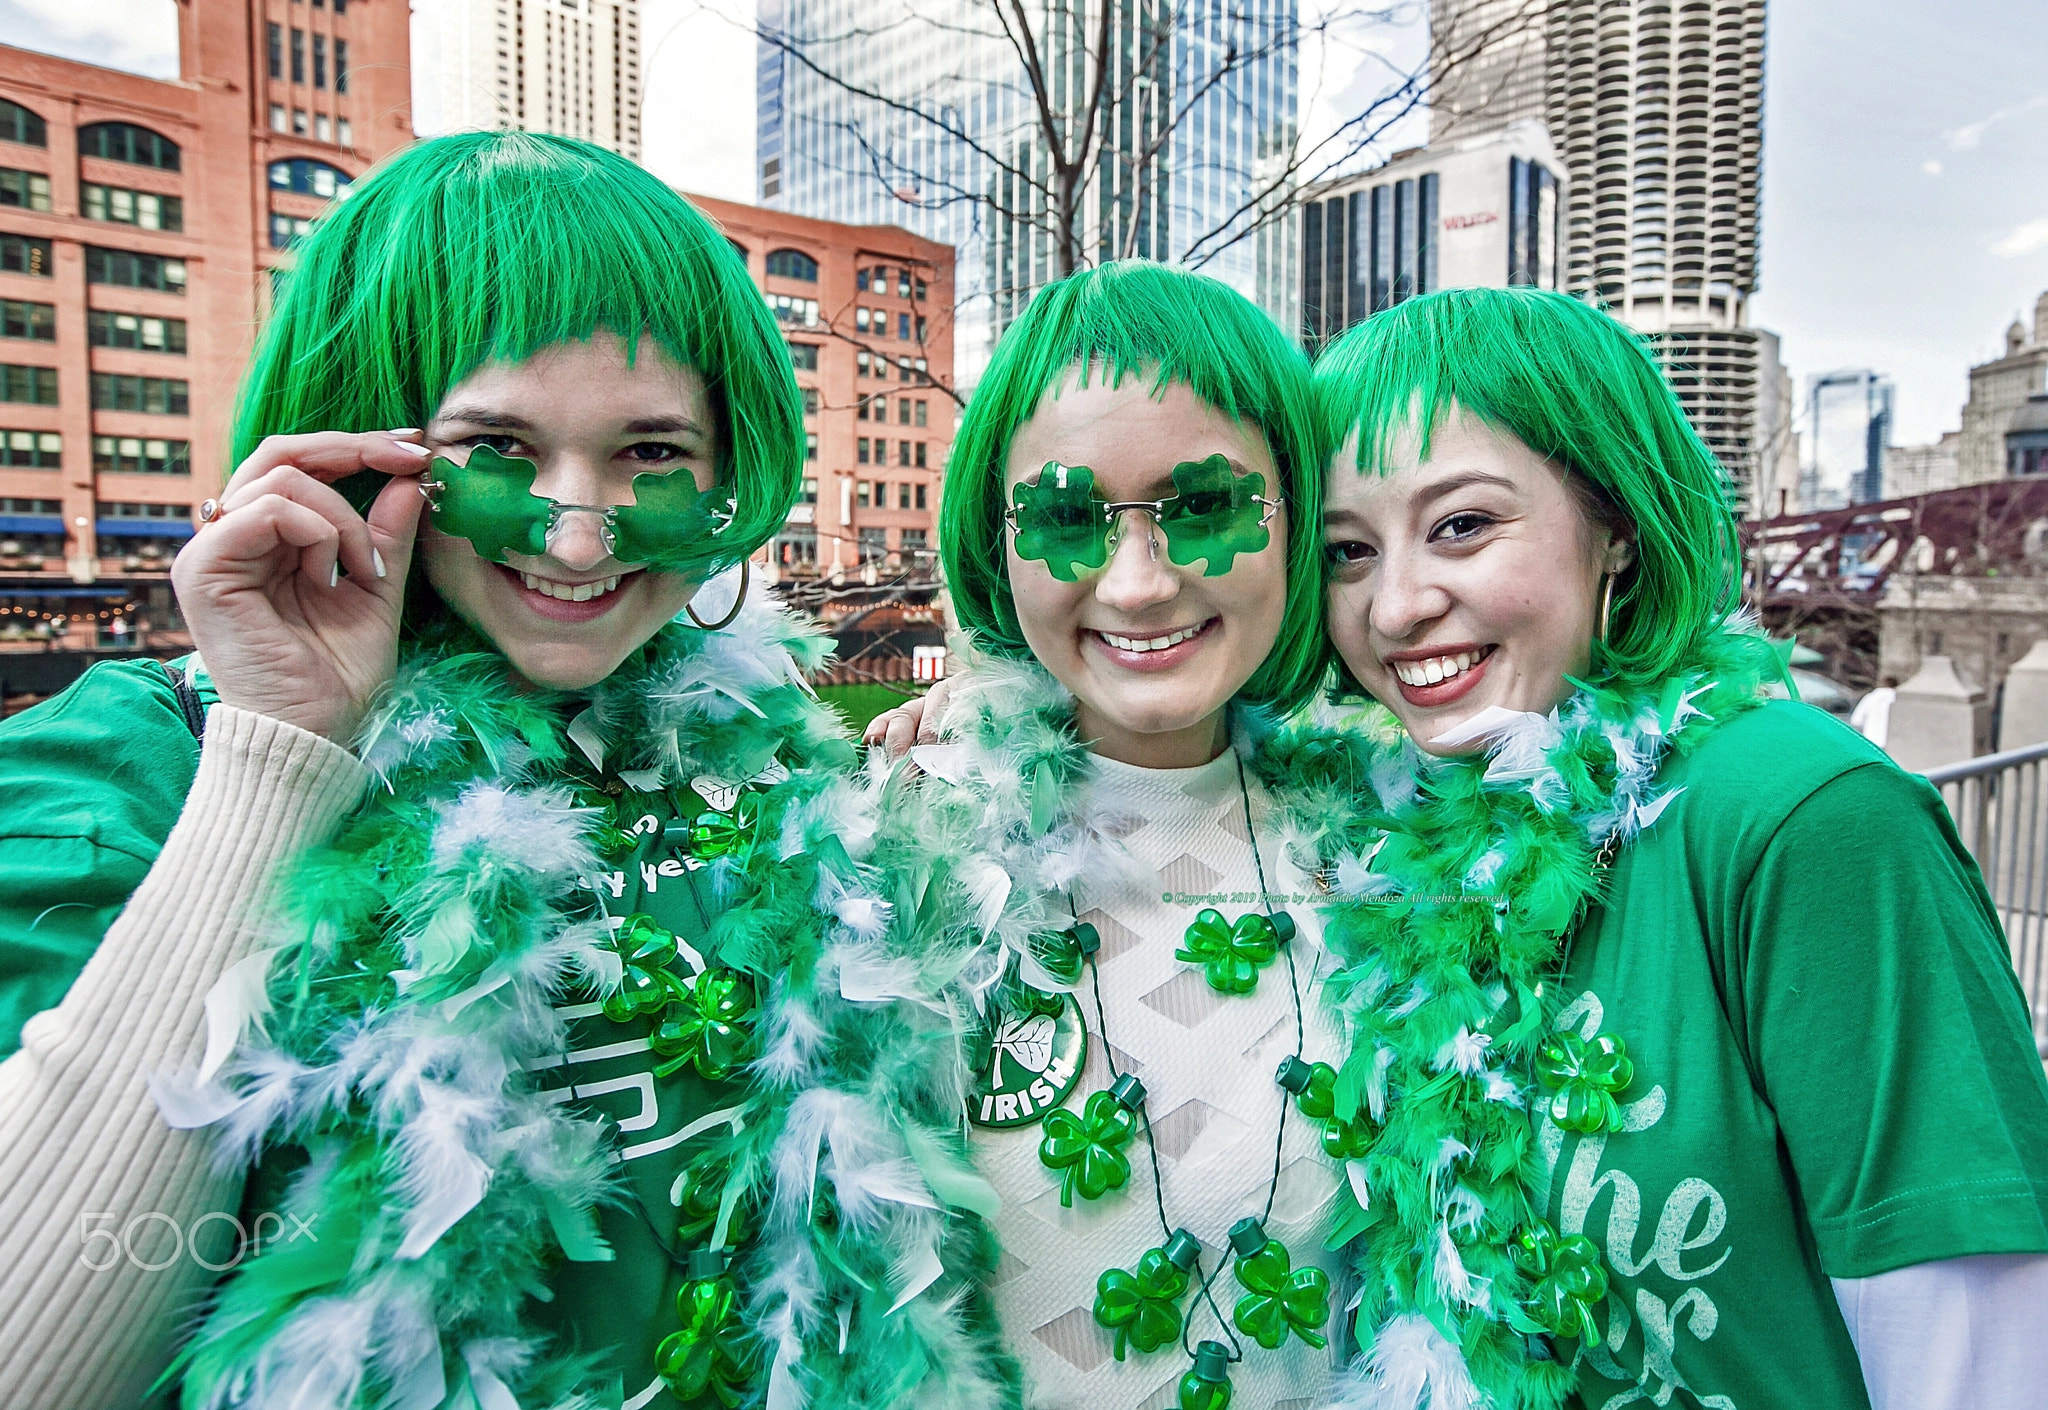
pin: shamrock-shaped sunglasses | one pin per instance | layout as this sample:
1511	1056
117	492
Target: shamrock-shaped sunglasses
1215	513
670	524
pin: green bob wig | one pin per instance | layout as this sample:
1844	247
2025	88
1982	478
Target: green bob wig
489	246
1583	392
1135	318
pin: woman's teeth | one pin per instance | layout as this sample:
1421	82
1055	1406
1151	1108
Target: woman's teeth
1150	643
1437	669
567	592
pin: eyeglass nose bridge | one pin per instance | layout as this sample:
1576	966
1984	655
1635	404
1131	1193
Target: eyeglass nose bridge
607	527
1113	515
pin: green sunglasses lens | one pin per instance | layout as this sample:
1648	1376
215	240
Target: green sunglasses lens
672	525
490	501
1059	521
1214	515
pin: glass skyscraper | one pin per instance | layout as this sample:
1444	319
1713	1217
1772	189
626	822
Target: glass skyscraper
923	115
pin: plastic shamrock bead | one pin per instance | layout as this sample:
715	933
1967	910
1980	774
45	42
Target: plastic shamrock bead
706	1027
699	1194
645	953
1206	1386
715	834
1088	1149
1279	1298
1568	1282
1585	1080
690	1359
1062	952
1232	955
1143	1306
1314	1085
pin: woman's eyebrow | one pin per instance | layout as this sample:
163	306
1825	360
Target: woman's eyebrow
486	417
656	425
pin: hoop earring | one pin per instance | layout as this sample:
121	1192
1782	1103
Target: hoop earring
1606	606
737	603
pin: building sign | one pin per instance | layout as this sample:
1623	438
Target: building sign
1472	221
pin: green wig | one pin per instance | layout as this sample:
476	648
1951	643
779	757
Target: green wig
1582	391
1137	318
489	246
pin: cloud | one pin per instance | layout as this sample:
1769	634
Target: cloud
1966	137
139	36
1932	168
2024	241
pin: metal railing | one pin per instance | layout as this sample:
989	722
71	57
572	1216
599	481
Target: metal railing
2000	805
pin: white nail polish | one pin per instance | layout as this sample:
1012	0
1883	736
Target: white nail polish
409	447
334	576
377	562
403	431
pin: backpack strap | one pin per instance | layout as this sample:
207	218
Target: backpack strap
188	701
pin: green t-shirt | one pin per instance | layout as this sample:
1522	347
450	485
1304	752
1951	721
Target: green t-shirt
1834	1071
91	782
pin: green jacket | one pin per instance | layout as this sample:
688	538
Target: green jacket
90	783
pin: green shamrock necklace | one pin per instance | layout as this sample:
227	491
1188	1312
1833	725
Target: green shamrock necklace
1148	1306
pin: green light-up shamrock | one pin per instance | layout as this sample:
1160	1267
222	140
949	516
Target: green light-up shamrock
1585	1078
1314	1085
1206	1386
709	1352
1279	1297
1088	1149
645	952
714	834
706	1028
699	1194
1568	1282
1232	955
1143	1306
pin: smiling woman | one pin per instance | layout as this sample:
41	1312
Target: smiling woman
1691	1054
1131	530
475	920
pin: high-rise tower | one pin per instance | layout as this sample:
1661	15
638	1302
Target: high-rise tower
565	66
1657	108
926	119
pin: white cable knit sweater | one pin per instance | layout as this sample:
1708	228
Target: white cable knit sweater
1207	1060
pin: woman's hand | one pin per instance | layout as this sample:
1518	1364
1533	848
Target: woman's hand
292	597
913	722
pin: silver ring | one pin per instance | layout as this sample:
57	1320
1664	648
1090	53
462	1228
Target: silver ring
209	511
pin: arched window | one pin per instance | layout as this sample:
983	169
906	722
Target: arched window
18	124
738	249
793	264
125	142
310	178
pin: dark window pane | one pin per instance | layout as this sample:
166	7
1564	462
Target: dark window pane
18	124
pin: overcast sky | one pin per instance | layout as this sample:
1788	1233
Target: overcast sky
1905	207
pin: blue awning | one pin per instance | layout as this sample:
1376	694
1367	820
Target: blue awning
104	594
31	524
145	528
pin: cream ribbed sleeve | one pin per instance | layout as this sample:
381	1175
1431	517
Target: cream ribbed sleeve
79	1134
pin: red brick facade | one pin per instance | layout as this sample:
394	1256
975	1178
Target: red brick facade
139	220
871	306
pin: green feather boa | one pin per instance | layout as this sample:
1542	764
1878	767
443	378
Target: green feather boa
1451	903
414	977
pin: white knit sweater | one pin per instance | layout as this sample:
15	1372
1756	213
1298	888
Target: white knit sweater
84	1155
1207	1060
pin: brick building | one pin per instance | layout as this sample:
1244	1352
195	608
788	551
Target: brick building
867	310
139	222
